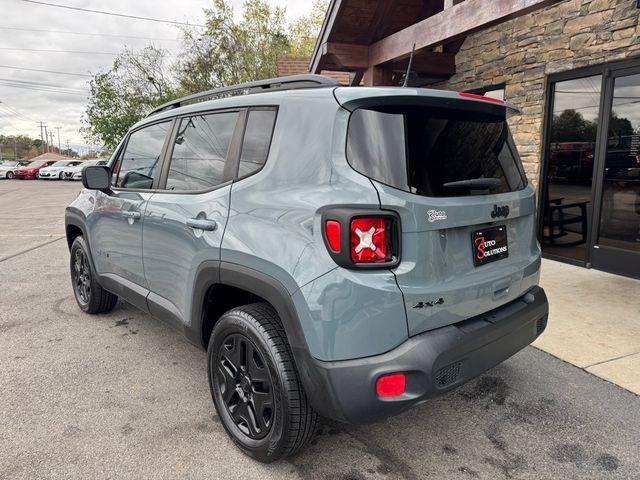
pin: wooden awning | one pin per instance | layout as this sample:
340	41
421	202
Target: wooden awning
373	38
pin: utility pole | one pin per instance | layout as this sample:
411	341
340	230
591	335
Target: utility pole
51	142
58	129
46	137
15	149
41	135
68	151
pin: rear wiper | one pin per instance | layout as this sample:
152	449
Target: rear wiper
479	183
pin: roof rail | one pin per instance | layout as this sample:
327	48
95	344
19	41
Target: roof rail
273	84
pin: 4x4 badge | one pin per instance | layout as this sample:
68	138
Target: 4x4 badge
500	211
436	215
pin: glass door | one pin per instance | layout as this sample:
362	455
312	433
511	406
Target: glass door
616	247
567	184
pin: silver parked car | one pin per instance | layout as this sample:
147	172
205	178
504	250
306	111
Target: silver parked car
7	168
75	172
56	171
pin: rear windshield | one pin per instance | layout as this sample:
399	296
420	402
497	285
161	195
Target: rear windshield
435	152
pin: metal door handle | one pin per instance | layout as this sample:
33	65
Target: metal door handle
202	224
133	215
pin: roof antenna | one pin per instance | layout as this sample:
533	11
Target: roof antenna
406	77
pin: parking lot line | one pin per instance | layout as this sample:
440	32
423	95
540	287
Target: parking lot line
31	249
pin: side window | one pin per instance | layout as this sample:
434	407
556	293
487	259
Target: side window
200	151
257	140
141	157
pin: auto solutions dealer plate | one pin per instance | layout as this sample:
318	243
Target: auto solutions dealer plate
489	245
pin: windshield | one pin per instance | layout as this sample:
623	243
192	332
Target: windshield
8	164
62	163
435	152
37	163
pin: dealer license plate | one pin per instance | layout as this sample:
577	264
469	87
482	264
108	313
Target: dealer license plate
489	245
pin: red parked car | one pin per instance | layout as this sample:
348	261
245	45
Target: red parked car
31	169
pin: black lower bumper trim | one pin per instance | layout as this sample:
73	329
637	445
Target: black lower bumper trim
434	362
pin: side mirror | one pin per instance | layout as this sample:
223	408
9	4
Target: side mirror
97	178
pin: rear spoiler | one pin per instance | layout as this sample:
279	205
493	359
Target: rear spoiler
352	98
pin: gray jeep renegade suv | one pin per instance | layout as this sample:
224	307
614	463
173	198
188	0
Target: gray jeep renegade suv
339	252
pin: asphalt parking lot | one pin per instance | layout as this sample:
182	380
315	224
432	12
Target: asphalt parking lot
124	396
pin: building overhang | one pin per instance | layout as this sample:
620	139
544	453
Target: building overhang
373	39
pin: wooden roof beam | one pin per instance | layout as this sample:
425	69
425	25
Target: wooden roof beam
427	63
450	24
345	56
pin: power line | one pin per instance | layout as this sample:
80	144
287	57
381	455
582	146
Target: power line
46	71
113	14
42	89
55	51
14	111
39	84
66	32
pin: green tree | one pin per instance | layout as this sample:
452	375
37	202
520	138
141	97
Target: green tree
119	97
571	126
230	52
19	146
619	127
305	30
227	52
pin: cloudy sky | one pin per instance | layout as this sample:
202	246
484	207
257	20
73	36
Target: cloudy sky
32	34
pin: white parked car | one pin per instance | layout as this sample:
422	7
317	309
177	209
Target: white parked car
75	173
56	171
7	168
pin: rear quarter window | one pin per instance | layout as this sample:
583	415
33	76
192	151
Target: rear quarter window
420	150
257	141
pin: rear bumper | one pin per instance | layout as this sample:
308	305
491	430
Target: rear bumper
434	362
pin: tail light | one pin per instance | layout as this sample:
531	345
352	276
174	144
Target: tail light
370	240
391	385
362	239
333	234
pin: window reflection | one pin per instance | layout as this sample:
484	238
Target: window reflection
620	215
571	154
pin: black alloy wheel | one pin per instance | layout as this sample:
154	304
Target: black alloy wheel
89	294
245	386
255	385
81	274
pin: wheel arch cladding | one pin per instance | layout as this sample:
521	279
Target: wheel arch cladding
73	232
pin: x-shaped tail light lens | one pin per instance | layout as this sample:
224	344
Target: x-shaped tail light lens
369	240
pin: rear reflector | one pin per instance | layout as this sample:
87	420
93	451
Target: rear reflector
333	235
480	97
391	385
369	240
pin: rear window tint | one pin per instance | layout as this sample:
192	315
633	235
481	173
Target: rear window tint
419	150
257	140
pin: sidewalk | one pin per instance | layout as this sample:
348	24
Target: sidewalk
594	322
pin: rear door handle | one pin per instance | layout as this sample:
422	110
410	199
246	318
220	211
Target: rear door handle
132	215
202	224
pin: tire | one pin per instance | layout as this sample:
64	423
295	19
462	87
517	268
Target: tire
251	370
10	175
37	177
60	176
90	296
